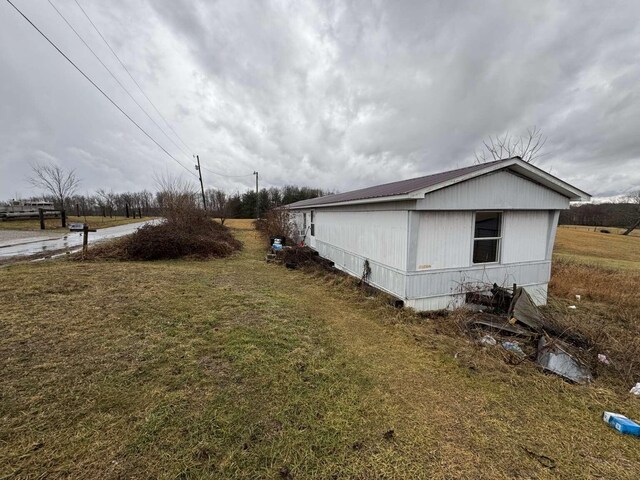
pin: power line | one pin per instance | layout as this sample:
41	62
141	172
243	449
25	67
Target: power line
228	176
131	76
96	86
116	78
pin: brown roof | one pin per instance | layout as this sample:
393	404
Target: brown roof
402	187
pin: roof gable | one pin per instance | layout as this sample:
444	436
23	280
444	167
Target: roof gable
416	188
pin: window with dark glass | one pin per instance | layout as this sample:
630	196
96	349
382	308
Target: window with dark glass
486	237
313	226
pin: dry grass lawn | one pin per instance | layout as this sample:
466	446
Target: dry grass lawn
598	249
234	368
55	224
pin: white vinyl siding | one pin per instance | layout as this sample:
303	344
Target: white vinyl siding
377	236
444	240
495	191
525	236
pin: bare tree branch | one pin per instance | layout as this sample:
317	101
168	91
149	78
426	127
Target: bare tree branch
528	147
58	182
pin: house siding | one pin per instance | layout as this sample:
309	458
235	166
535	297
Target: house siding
499	190
421	250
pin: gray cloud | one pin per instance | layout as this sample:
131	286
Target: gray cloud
332	94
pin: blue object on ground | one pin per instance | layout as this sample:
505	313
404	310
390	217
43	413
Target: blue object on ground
621	423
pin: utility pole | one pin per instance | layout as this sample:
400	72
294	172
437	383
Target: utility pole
204	199
257	197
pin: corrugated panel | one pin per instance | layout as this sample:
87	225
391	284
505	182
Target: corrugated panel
538	295
446	282
444	240
377	236
524	236
500	190
382	277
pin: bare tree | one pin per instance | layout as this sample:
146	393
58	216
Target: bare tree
219	202
634	199
177	198
58	182
528	147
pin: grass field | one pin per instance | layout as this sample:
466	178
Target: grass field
612	230
55	224
584	246
235	368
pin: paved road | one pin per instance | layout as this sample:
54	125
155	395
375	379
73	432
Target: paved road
24	247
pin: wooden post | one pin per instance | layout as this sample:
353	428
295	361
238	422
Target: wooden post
126	209
85	239
41	216
63	218
77	209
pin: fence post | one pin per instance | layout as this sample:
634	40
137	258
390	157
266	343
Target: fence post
85	239
41	216
63	218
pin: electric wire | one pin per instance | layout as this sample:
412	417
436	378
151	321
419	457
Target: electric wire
116	78
224	175
106	42
97	87
130	76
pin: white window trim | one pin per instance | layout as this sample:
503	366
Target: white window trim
499	239
312	224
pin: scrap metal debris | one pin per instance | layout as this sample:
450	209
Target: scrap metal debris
525	311
525	321
553	357
499	324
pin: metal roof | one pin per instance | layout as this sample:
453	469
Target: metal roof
402	187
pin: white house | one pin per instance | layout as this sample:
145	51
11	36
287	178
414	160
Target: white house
427	239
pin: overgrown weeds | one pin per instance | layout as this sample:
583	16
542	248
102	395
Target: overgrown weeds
186	231
607	316
277	222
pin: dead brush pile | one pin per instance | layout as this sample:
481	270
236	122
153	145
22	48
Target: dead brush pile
199	239
187	231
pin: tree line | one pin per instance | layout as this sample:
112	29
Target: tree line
623	214
59	186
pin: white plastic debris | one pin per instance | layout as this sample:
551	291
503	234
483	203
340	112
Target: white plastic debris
514	347
636	390
578	297
572	307
488	341
602	358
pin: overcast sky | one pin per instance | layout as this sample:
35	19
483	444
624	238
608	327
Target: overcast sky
333	94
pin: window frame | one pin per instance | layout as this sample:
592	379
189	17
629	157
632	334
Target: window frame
498	238
312	224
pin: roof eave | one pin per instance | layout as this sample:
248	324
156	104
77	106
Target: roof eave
388	198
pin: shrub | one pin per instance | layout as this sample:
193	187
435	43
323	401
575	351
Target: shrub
186	231
277	223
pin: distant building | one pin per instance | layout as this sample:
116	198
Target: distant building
428	239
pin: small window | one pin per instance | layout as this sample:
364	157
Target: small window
304	222
313	226
486	237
